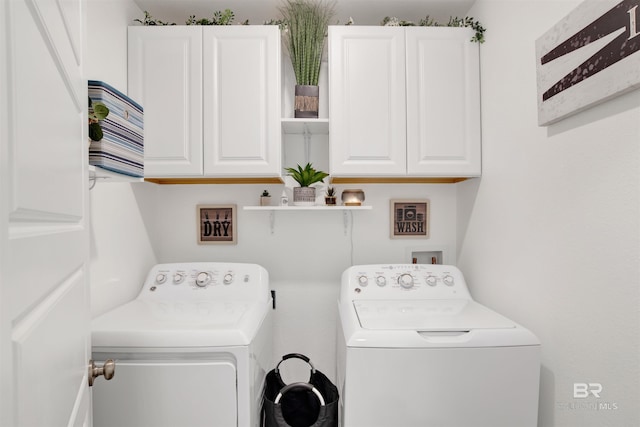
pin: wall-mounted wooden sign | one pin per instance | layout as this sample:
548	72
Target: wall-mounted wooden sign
217	224
588	57
409	218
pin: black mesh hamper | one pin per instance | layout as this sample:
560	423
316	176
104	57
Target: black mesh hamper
312	404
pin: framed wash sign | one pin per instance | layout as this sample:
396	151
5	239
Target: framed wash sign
217	224
409	218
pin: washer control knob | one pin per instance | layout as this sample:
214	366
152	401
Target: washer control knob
178	278
432	280
448	280
228	279
405	280
202	279
161	278
381	281
363	281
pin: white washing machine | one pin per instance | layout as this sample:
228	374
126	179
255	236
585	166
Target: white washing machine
414	350
191	350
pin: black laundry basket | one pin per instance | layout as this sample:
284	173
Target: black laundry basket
312	404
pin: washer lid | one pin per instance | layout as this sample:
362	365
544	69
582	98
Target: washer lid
428	315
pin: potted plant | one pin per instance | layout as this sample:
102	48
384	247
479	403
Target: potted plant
330	197
306	23
305	195
265	198
97	111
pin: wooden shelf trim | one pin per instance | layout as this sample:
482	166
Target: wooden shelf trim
334	180
211	180
396	180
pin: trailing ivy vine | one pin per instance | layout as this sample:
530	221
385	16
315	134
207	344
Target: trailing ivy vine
149	20
430	22
225	17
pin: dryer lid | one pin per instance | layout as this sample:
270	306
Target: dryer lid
142	323
428	315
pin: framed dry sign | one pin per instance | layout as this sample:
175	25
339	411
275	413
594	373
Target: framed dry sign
409	219
217	224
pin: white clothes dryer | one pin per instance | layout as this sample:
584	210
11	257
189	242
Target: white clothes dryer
192	349
415	350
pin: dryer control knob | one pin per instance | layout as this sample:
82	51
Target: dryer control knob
381	280
432	280
178	278
228	278
161	278
448	280
203	279
363	281
405	280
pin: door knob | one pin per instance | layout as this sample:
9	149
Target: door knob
108	370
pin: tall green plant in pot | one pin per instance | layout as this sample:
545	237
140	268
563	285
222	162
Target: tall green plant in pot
306	23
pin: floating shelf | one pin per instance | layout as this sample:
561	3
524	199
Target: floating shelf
338	208
307	208
305	126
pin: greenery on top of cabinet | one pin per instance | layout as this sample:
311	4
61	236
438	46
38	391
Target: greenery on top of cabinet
454	21
149	20
219	18
225	17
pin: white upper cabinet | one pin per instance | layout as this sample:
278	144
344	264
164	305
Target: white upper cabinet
165	77
242	130
211	97
404	101
367	102
443	102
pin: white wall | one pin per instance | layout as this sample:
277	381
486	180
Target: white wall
307	252
550	235
121	252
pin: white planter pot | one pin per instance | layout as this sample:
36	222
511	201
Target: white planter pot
304	196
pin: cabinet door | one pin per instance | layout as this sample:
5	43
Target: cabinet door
242	101
443	102
367	101
165	77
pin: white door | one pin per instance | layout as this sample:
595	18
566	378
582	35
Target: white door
44	230
443	102
242	130
367	101
165	76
